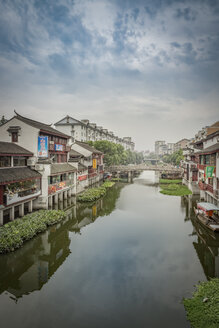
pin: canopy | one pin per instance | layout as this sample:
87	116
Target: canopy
208	206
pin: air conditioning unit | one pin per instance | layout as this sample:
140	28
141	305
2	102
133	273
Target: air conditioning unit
31	161
39	167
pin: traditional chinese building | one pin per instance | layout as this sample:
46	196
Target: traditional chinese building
20	185
50	152
92	159
78	161
208	169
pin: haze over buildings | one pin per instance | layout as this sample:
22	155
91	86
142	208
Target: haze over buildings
145	69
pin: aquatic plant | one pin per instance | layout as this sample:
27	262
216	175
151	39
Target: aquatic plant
15	233
174	189
107	184
203	308
168	181
90	195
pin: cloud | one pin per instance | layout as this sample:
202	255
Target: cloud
140	62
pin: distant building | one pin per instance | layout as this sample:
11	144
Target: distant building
85	131
163	148
159	147
170	148
181	144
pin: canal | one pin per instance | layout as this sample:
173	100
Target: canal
126	261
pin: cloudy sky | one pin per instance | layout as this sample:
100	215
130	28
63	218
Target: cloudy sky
148	69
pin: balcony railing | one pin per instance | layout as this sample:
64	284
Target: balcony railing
53	188
12	198
209	188
202	185
205	186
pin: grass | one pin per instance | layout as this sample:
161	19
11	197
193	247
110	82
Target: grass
91	195
168	181
175	190
15	233
204	314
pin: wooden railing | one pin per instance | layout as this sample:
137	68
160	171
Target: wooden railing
205	186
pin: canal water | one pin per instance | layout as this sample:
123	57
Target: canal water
126	261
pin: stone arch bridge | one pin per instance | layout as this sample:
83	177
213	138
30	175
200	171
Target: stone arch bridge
130	171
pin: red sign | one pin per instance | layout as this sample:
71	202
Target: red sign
82	177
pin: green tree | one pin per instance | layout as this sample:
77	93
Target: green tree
3	120
115	154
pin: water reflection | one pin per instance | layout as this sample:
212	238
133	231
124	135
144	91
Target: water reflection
30	267
206	242
140	260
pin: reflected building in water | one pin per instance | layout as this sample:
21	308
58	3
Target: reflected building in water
30	267
206	242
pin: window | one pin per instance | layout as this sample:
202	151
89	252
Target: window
14	136
207	159
19	161
5	161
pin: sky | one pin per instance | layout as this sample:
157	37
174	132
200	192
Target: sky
146	69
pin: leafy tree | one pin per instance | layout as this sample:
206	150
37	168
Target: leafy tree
174	158
3	120
115	154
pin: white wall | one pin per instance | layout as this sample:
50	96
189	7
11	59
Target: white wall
210	142
28	137
64	129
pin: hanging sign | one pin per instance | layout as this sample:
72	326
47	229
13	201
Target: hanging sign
209	171
42	146
94	163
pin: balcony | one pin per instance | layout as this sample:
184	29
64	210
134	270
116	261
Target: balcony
92	173
202	185
53	188
209	188
205	186
20	196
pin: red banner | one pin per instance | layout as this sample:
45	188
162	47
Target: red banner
82	177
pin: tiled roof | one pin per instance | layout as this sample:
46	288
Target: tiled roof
88	147
74	153
59	168
82	167
41	126
12	148
14	174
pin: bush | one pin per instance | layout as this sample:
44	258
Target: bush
108	184
203	308
13	234
90	195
